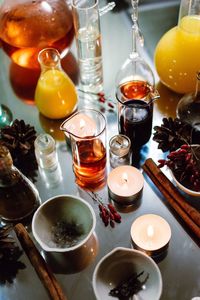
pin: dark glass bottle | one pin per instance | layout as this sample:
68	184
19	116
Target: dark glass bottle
18	196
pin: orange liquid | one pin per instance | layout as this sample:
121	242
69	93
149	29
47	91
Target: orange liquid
55	95
90	163
27	28
135	89
177	55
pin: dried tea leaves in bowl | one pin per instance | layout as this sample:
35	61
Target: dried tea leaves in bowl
129	287
66	234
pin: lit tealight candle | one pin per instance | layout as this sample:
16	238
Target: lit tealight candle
151	234
79	125
125	184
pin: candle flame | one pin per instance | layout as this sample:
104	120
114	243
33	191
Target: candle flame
150	231
125	177
82	123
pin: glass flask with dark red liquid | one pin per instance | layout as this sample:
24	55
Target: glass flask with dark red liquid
135	91
135	111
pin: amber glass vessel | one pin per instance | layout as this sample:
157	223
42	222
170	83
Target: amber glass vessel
28	26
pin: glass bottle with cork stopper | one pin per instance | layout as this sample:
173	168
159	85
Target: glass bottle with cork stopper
135	91
18	196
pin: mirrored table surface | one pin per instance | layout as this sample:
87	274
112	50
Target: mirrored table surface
180	269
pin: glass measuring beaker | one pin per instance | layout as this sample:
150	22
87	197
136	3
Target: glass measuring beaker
135	116
87	131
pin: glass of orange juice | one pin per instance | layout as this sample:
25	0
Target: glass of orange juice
55	94
177	53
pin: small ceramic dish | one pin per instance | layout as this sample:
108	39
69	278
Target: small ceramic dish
183	188
121	263
63	208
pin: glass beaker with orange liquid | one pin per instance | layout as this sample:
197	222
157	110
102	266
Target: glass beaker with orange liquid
28	26
55	94
177	53
87	132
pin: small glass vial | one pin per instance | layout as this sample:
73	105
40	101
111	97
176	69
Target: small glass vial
45	152
120	153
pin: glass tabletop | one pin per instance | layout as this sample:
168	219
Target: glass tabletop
180	269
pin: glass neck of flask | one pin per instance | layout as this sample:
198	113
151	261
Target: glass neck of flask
197	91
49	58
188	8
137	37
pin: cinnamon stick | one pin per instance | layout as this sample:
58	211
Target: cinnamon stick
194	214
188	213
46	276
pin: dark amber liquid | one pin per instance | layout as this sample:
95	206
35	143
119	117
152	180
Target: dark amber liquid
135	89
135	116
90	163
29	26
17	199
28	57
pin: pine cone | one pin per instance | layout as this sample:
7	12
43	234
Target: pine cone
172	134
18	138
9	255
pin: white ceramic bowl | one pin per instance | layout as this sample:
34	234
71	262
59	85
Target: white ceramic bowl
67	208
119	264
183	188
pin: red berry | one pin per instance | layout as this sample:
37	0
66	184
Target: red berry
112	224
110	105
111	208
102	99
185	146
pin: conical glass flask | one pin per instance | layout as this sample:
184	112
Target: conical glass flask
177	53
135	91
28	26
55	94
188	108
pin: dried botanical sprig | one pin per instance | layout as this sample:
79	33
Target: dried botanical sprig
107	212
103	99
129	287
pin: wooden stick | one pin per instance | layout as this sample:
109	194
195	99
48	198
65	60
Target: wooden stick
164	185
39	264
